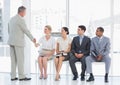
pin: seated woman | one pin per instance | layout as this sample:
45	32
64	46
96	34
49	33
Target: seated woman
47	49
62	49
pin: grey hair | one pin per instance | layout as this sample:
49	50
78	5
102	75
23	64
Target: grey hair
21	9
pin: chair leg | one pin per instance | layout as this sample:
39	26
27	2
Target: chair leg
36	68
67	70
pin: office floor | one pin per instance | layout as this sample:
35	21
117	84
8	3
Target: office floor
65	80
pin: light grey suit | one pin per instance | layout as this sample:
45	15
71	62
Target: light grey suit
101	47
16	29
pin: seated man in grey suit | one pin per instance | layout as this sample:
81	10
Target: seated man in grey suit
100	48
80	49
16	30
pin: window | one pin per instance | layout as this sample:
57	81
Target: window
57	13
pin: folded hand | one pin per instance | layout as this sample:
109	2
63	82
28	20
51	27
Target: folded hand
36	44
79	55
99	58
34	40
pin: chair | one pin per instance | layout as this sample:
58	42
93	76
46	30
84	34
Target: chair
98	67
67	65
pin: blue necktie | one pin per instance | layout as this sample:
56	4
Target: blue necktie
80	40
99	40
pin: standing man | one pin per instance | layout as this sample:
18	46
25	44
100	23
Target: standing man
16	29
100	48
80	49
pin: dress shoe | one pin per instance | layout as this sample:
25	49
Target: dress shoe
106	79
91	78
75	77
25	79
82	78
57	78
41	76
14	79
45	76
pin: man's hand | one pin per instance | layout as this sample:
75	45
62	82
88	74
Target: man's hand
99	58
76	55
79	55
34	40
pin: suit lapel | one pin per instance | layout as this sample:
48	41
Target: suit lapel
78	41
102	40
97	43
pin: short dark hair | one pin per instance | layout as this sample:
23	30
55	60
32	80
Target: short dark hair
66	30
101	29
21	9
82	27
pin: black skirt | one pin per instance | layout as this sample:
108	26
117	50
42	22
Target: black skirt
66	57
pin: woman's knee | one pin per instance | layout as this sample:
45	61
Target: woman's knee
40	59
61	58
45	59
56	60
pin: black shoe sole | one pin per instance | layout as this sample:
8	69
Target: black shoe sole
14	79
74	79
82	79
25	79
90	80
106	81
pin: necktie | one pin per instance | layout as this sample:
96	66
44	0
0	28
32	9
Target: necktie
99	40
80	40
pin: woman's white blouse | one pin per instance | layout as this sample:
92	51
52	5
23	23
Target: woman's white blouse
63	44
46	44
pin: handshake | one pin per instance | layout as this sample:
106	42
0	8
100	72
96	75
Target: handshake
36	44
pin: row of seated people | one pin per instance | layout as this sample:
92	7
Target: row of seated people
80	48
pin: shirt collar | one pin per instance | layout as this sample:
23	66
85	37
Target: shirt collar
20	16
100	37
81	36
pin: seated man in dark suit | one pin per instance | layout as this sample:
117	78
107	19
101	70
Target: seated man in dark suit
80	49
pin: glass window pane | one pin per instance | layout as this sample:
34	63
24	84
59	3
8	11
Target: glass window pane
89	13
116	39
117	7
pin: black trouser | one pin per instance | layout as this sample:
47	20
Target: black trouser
72	62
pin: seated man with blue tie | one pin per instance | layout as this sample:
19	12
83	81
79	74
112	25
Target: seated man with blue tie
80	49
100	48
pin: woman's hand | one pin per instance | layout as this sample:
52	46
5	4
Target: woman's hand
36	44
65	51
59	52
